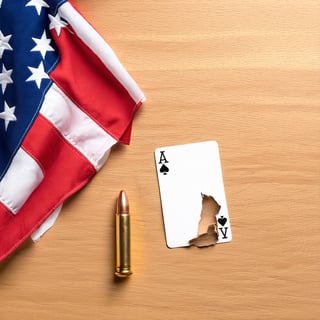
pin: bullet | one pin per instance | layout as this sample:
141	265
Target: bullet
123	266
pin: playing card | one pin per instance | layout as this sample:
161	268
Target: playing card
187	175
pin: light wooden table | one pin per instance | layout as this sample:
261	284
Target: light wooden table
243	73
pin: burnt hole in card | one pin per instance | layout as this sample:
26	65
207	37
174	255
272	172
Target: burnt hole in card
207	228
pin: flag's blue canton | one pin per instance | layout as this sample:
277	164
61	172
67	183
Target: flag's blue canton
27	55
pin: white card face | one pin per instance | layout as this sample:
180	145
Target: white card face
185	172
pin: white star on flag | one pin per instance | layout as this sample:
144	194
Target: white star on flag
4	43
7	115
38	74
38	4
42	45
5	78
56	23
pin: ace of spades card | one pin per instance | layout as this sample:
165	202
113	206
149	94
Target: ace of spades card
186	173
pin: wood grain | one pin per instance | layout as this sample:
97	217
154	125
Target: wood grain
243	73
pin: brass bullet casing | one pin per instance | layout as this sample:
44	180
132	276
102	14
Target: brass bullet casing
123	264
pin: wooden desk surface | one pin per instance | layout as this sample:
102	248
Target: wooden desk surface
243	73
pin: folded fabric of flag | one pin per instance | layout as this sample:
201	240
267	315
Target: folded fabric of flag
65	100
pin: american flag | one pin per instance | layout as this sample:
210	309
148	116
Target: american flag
65	100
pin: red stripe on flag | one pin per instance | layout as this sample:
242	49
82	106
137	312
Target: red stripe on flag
66	171
5	216
87	81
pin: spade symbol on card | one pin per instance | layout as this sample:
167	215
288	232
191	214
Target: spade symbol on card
164	169
222	220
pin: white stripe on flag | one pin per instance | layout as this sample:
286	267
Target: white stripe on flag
77	127
49	222
96	43
22	177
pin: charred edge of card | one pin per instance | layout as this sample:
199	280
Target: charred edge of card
207	228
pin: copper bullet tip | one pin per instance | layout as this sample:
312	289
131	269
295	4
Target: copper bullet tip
122	203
